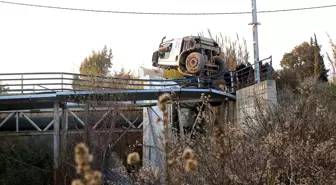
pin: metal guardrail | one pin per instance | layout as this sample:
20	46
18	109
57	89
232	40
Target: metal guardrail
245	75
44	82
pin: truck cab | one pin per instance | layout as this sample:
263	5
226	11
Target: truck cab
168	53
190	55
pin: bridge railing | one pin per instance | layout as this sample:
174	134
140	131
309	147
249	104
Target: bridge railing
47	82
244	76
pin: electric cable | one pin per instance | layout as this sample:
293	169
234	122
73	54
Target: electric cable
167	13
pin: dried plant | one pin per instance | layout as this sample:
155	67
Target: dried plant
133	158
83	160
292	143
234	52
332	59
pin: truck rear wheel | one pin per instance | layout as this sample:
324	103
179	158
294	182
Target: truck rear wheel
195	63
222	66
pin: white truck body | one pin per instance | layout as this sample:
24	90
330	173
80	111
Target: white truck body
170	57
190	55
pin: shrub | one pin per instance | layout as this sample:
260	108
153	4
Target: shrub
291	143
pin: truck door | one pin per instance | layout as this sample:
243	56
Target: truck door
170	55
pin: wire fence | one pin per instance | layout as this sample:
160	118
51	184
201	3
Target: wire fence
48	82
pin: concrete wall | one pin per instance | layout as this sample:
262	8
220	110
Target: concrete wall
266	93
153	132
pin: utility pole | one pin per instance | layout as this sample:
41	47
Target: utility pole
255	41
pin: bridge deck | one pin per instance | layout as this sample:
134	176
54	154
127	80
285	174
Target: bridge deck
39	101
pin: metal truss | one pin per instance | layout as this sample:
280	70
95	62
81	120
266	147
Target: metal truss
62	117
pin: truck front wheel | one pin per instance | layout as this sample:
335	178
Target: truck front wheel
195	63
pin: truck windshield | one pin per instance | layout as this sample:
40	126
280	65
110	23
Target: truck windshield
164	50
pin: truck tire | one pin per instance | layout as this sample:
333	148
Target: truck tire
222	65
222	69
195	63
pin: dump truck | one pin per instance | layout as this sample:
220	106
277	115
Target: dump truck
190	55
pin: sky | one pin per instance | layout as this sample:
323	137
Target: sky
48	40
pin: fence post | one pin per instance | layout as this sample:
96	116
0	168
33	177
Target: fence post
271	71
62	81
21	83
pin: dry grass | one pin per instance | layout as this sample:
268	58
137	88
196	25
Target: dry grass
292	143
118	80
332	59
234	52
83	160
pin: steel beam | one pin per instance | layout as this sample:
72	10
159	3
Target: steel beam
87	125
30	121
6	119
56	144
51	123
64	132
69	132
128	121
17	121
76	117
101	119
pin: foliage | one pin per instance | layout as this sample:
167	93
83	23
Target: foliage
286	78
234	52
292	143
98	63
319	68
20	163
3	89
126	82
332	59
303	62
95	74
83	165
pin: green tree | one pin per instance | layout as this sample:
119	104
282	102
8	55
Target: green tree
319	68
98	63
306	60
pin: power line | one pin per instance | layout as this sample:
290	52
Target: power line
157	13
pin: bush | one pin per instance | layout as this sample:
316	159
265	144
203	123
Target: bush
21	163
291	143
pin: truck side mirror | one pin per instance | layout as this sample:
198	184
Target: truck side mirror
163	39
155	58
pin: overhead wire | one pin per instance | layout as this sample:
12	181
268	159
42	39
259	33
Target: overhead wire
166	13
